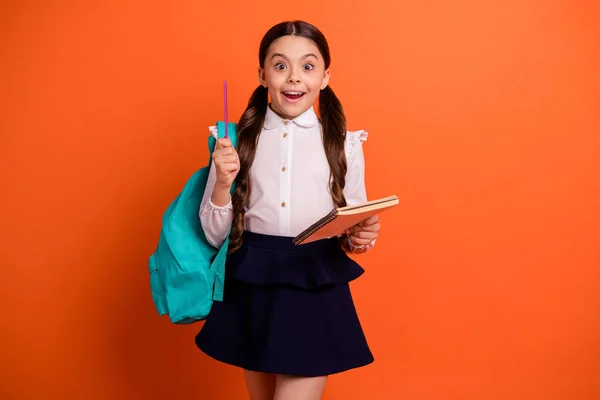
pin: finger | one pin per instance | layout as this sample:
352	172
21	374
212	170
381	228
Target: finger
233	167
231	158
364	235
360	242
225	160
353	228
368	228
228	167
225	151
223	143
369	221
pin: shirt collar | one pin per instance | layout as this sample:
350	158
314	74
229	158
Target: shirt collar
307	119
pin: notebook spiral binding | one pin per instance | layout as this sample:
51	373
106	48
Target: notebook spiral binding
315	227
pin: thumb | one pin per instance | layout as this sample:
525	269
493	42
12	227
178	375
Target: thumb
223	142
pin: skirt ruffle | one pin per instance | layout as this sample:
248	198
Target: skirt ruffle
274	260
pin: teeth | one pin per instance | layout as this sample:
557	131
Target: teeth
294	93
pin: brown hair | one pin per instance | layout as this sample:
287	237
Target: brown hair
250	125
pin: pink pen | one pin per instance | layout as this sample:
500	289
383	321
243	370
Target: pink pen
225	109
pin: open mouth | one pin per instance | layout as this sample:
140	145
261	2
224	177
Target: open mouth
293	95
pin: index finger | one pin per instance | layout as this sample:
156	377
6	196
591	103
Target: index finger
369	221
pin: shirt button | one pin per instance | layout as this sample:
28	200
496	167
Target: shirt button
286	122
283	169
285	135
283	204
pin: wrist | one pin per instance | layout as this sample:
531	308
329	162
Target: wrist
222	187
357	248
220	196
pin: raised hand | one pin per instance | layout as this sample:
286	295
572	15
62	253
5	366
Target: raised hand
227	166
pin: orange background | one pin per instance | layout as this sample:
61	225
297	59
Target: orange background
483	119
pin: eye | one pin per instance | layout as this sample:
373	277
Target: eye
280	66
308	67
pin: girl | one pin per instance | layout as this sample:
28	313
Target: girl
287	317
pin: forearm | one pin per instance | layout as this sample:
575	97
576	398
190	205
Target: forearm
220	195
215	215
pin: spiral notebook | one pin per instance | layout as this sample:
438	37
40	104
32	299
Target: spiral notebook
340	219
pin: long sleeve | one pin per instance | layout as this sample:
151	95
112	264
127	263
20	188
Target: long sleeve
355	190
215	220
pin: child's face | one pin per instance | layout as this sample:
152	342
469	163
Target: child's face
294	72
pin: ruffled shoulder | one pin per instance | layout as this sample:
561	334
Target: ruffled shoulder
354	139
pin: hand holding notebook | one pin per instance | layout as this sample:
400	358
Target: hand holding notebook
365	232
341	219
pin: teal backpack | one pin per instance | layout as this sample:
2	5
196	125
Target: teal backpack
186	272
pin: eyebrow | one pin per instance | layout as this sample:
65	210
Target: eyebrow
303	57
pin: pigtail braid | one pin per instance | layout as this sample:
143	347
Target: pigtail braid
333	122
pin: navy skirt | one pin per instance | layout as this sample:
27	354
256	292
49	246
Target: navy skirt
287	310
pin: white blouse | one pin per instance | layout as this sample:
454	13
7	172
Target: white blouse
289	178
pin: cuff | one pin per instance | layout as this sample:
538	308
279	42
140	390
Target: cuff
220	209
361	248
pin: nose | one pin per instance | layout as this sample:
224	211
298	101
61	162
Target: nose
294	78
